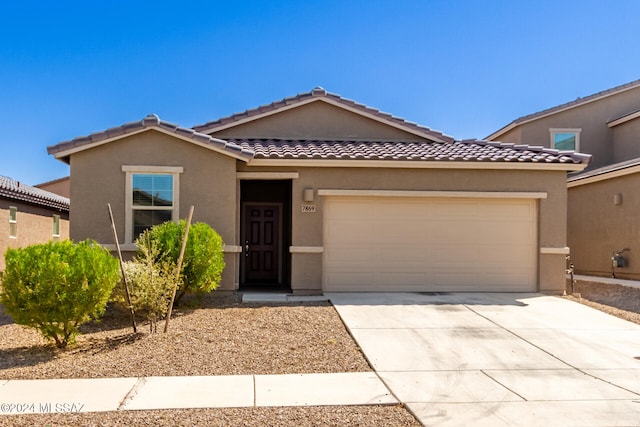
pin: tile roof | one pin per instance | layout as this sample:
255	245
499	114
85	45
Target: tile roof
321	93
463	151
150	121
571	104
16	190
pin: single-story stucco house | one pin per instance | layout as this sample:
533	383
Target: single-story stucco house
318	193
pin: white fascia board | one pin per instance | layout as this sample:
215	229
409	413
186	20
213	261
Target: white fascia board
502	131
431	194
412	164
90	145
382	120
259	116
624	119
604	176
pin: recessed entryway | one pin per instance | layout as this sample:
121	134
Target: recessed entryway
265	234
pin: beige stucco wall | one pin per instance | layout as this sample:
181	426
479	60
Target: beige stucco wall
598	227
308	227
34	225
513	136
595	138
208	182
59	186
626	141
317	120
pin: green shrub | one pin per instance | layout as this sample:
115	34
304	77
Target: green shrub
56	286
203	259
150	281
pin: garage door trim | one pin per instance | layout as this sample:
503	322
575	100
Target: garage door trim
433	271
439	194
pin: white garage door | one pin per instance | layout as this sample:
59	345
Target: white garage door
429	244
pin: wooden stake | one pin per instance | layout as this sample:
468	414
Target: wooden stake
178	268
124	277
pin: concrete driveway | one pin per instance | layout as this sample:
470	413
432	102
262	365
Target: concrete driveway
499	359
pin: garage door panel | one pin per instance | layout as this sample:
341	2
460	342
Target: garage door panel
386	243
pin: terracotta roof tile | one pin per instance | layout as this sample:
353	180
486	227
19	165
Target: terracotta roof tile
462	151
16	190
319	92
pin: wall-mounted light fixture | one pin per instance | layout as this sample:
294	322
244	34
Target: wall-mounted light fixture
308	195
617	199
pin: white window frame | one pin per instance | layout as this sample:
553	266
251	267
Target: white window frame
129	171
55	232
554	131
13	222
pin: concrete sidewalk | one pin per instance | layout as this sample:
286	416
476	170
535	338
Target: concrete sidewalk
117	394
499	359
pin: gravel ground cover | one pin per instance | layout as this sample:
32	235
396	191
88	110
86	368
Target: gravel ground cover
617	300
224	337
396	416
220	337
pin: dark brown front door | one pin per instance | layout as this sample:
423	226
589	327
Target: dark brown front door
261	243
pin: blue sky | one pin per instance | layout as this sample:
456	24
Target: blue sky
467	68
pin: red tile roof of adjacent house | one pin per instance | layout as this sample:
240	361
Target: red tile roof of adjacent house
459	151
319	93
16	190
567	105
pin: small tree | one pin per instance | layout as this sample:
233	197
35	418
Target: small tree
57	286
150	279
203	259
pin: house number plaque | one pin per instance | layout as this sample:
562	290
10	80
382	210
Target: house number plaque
308	208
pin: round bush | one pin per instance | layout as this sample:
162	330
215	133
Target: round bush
203	258
57	286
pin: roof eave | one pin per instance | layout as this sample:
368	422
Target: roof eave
239	154
412	164
335	100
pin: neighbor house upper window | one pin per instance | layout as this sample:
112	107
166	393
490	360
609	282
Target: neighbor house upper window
13	222
565	139
151	197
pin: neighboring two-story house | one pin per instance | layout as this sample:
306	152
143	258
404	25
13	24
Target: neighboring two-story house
30	215
318	193
604	200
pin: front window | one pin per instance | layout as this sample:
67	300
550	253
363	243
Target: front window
152	201
565	139
151	197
